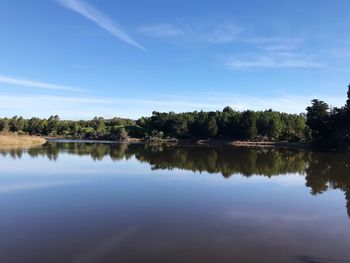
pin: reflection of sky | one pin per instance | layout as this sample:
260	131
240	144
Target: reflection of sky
106	205
28	172
66	164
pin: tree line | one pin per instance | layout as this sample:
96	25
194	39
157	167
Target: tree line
97	128
225	124
326	126
228	123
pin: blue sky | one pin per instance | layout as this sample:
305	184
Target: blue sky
81	59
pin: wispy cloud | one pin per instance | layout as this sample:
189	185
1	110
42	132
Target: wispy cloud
38	85
85	107
271	60
74	107
274	43
223	34
100	19
162	30
256	51
214	33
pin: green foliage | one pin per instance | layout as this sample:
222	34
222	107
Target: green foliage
329	128
98	128
318	117
135	131
248	129
348	100
230	124
4	124
120	133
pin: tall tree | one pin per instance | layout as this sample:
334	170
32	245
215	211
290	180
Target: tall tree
348	100
317	118
248	125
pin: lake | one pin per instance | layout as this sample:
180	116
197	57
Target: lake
88	202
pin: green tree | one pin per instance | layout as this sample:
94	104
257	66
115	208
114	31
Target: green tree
33	126
211	128
4	124
317	118
248	129
348	100
120	133
88	133
52	125
13	124
177	127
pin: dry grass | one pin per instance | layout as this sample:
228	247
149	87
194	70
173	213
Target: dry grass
14	140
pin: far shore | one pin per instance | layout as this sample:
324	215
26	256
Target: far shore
244	144
258	144
15	140
210	142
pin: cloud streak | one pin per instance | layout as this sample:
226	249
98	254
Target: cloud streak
162	30
220	33
100	19
224	34
274	44
271	60
38	85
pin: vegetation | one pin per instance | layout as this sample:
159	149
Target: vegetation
98	128
327	127
231	124
19	140
227	124
330	127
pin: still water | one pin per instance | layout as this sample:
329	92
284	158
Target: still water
87	202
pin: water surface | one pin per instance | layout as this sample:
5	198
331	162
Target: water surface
88	202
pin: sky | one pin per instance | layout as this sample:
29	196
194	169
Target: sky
85	58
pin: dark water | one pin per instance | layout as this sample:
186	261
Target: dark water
74	202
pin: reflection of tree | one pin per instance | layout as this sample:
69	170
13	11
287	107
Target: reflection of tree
227	161
323	170
329	171
14	153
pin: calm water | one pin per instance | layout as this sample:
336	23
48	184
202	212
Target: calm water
75	202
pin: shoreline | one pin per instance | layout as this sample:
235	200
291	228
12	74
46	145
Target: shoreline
259	144
188	142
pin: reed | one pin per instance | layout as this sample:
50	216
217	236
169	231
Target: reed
12	139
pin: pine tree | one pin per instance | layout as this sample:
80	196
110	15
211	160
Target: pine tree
348	100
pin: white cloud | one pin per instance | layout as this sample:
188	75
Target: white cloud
271	60
274	43
223	34
87	107
73	107
162	30
218	33
100	19
38	85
